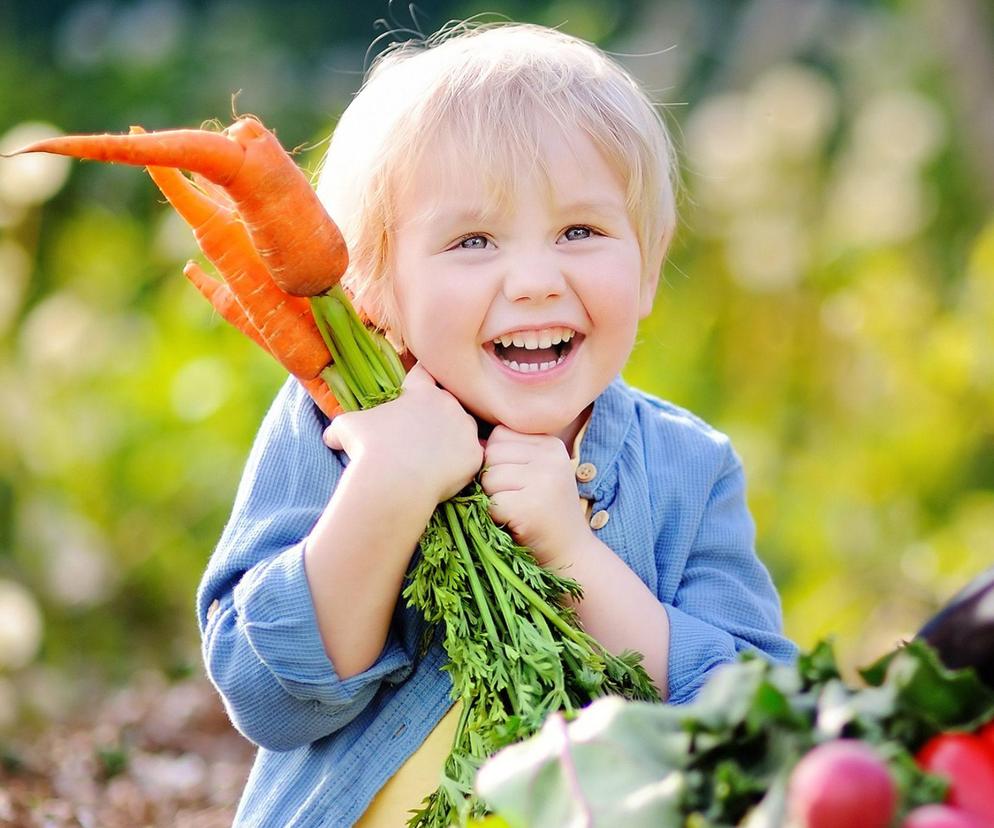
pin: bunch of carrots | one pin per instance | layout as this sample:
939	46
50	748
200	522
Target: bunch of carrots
516	653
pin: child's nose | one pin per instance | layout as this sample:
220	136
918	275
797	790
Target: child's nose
533	278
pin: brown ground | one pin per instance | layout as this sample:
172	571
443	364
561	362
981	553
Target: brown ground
154	754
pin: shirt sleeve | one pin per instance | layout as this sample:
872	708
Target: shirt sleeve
726	601
261	644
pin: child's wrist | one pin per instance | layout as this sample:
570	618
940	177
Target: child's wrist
574	552
391	482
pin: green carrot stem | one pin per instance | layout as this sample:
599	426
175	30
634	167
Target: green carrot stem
498	589
372	355
340	328
372	352
340	388
364	339
393	362
342	367
535	599
338	293
474	579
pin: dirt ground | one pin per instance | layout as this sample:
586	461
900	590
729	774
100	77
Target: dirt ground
153	754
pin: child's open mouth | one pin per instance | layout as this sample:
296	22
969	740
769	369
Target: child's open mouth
530	352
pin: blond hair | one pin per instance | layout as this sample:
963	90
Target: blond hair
489	90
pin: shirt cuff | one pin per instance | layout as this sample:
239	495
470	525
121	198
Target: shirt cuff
696	648
275	610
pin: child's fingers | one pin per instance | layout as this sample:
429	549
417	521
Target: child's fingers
502	478
536	449
503	506
418	375
501	433
331	436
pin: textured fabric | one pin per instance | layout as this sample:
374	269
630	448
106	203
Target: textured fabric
674	492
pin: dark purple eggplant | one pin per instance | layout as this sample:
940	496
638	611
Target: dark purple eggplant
962	632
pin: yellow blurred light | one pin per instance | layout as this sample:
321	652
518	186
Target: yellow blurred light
875	205
766	253
920	563
200	388
948	358
60	334
797	106
843	314
20	625
724	137
899	127
963	546
28	180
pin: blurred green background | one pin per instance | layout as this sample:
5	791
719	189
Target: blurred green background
829	301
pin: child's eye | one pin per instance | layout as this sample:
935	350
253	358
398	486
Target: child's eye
473	242
578	232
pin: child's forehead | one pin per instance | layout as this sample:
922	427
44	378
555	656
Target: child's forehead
467	180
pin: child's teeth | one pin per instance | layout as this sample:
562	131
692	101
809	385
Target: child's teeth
532	340
530	367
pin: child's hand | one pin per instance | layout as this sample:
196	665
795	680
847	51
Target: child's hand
423	442
530	481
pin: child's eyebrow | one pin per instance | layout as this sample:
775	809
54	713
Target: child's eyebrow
604	207
459	217
471	216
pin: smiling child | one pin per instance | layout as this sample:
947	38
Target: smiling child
505	194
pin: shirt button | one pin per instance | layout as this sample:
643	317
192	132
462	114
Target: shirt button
600	519
586	472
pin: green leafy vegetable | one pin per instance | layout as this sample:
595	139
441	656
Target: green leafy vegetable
725	759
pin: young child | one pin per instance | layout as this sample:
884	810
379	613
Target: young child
505	194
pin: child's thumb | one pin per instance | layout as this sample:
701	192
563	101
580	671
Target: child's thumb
331	438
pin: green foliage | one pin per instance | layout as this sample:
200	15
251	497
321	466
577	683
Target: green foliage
725	758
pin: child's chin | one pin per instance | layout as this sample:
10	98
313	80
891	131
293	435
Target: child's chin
537	423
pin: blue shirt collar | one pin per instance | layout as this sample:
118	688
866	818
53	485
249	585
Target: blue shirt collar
609	424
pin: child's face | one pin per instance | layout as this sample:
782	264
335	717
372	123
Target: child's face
526	314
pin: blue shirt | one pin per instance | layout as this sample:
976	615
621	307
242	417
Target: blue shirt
674	494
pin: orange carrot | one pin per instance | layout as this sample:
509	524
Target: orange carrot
285	322
298	241
223	300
